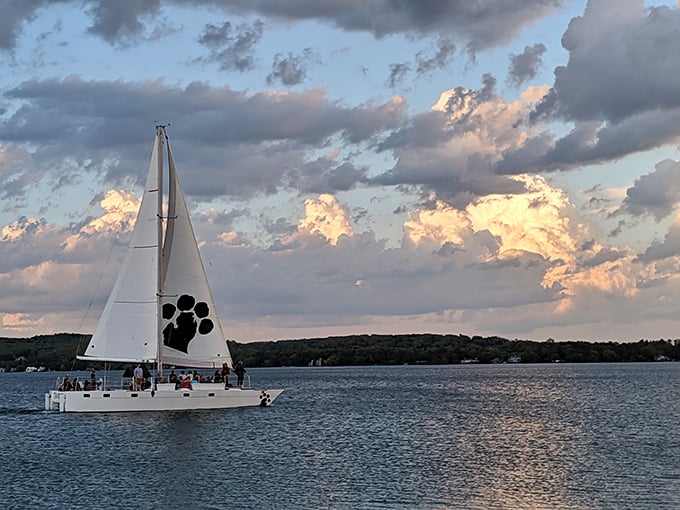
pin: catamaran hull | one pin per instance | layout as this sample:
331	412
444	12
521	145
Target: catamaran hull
159	400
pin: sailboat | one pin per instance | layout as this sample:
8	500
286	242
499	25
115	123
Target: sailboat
161	313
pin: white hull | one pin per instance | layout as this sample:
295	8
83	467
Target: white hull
165	398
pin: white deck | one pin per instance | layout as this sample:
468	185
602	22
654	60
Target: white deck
164	398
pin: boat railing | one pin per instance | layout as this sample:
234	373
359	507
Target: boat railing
75	384
127	383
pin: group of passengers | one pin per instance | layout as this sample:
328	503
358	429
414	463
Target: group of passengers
74	384
185	380
140	382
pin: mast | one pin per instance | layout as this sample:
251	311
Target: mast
160	133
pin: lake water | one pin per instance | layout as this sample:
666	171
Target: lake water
431	437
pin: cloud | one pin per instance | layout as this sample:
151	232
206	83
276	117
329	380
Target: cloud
525	252
326	217
326	175
232	47
103	127
458	148
538	229
22	227
120	21
17	322
594	142
539	220
397	74
669	247
14	15
480	24
27	241
290	69
442	57
604	91
425	62
523	66
118	219
657	193
607	75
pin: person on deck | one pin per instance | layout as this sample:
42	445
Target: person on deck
138	378
66	385
240	372
186	382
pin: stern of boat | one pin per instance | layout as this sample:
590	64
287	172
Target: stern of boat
54	401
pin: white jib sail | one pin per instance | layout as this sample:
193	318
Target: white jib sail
127	329
192	334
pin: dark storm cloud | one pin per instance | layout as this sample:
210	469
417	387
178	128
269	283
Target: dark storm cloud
73	122
482	24
523	66
232	47
290	69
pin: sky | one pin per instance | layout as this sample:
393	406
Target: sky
352	167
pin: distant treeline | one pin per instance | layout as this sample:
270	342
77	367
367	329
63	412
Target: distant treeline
57	352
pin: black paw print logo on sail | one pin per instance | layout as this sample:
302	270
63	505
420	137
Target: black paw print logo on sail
187	318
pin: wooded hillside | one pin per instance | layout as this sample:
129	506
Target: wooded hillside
57	352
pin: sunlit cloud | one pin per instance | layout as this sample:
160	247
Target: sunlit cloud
120	211
537	221
325	216
19	322
22	227
541	221
444	224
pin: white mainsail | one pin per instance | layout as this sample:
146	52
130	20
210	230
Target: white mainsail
170	282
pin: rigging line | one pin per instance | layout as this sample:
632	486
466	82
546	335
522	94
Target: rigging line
98	286
94	294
